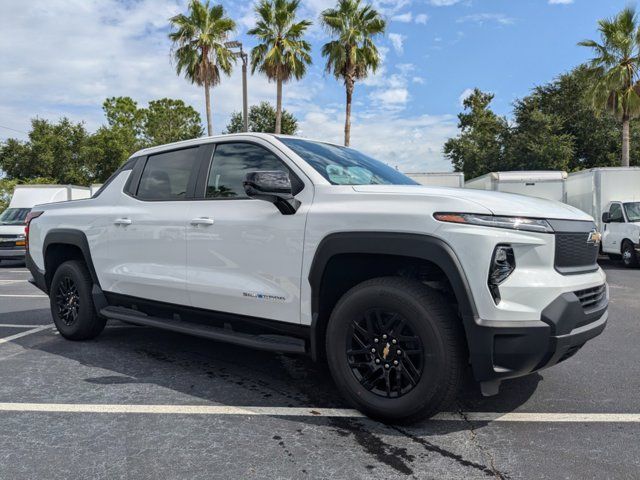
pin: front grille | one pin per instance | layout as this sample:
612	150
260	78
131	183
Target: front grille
591	297
574	253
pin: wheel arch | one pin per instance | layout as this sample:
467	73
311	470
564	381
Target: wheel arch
387	245
63	244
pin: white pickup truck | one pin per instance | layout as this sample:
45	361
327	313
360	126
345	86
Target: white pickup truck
298	246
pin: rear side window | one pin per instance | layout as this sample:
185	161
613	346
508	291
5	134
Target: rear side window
232	161
166	175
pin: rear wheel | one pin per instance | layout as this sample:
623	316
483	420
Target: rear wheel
72	304
395	349
629	256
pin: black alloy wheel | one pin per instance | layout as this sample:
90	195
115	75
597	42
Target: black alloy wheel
385	354
68	301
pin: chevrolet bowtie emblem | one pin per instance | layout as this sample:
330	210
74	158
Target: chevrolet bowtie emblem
385	351
594	237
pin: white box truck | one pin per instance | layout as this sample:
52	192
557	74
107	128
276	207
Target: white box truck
549	184
612	197
438	179
94	187
24	198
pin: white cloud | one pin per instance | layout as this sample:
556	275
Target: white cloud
482	18
464	95
443	3
560	2
421	18
397	41
403	17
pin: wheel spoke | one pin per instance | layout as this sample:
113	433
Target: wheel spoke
368	380
387	382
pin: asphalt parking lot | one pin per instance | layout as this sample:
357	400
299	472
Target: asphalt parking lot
140	403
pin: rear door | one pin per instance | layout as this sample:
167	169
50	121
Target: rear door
243	255
148	228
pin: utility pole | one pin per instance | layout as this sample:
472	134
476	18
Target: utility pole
245	60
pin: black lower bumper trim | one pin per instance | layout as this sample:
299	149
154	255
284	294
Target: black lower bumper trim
502	350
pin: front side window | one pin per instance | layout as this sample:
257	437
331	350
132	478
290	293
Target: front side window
615	213
345	166
166	175
14	216
632	209
232	161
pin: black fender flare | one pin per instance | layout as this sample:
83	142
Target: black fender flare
76	238
425	247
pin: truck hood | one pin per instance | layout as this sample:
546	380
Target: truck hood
498	203
12	230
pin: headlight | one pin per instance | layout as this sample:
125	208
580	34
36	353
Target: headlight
503	263
513	223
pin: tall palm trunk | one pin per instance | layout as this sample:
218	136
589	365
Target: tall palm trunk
279	105
207	100
625	140
349	83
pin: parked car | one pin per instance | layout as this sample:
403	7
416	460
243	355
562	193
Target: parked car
621	232
286	244
549	184
12	220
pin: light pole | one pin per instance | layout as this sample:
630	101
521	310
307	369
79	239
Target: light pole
245	59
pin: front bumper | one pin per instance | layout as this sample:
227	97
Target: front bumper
500	350
15	253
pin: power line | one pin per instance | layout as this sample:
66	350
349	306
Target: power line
9	128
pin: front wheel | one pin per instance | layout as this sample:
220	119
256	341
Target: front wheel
629	256
395	349
72	304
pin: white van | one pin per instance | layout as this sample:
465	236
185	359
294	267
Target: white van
24	198
438	179
547	184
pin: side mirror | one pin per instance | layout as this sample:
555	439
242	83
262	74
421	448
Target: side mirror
605	217
273	187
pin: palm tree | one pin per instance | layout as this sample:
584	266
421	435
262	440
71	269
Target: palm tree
282	53
351	54
198	47
614	71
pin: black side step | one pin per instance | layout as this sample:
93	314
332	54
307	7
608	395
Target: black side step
277	343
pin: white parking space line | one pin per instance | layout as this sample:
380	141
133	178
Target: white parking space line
24	296
12	281
18	325
310	412
24	334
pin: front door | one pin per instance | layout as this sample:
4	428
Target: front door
243	255
613	231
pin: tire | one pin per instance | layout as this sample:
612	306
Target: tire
629	257
614	256
71	302
405	309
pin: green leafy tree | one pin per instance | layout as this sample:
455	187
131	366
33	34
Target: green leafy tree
199	47
478	149
168	120
596	138
282	53
537	141
352	53
262	118
54	150
614	71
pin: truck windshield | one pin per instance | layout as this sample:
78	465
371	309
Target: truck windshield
14	216
632	209
345	166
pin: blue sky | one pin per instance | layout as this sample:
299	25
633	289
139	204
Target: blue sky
64	57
